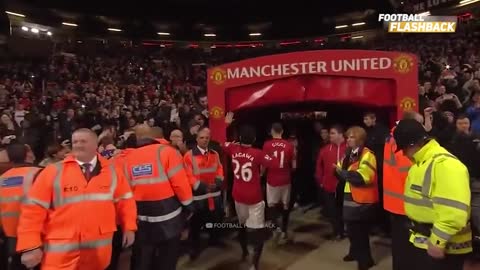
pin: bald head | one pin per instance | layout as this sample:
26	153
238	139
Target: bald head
143	131
157	132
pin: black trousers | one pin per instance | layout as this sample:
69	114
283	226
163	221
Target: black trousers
333	208
3	252
116	250
358	234
254	237
423	261
401	246
198	223
158	256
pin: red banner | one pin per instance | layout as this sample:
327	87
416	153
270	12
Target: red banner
373	78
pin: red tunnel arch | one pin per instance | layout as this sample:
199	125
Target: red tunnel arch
373	78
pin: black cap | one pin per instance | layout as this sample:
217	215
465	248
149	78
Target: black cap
408	132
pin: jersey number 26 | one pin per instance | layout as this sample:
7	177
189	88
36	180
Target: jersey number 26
243	172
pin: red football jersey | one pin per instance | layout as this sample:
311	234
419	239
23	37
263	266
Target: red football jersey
246	163
283	154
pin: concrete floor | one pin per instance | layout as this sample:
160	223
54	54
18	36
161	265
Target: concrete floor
308	250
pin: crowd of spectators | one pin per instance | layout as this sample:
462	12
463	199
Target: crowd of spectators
42	102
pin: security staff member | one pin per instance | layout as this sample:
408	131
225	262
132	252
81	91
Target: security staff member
161	189
205	172
358	171
5	165
117	246
68	219
437	200
15	184
118	162
395	170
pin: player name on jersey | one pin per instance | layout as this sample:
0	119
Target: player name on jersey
243	155
279	144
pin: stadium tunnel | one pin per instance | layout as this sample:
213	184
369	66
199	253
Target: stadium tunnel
344	94
301	123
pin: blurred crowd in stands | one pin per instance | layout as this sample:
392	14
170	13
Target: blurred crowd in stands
43	102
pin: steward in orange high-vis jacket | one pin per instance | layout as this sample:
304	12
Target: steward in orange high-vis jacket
14	185
395	170
205	172
118	161
161	189
117	248
68	219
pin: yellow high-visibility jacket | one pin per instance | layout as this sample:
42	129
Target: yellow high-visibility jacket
437	192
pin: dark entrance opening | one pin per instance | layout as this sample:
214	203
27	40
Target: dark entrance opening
308	141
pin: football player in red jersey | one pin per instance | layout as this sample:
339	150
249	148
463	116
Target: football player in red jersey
247	163
279	178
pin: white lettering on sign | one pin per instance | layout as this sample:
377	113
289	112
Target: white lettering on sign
318	67
430	4
361	64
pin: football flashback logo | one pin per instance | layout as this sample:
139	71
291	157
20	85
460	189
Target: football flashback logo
418	23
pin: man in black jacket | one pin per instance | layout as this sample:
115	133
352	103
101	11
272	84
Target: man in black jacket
466	147
376	136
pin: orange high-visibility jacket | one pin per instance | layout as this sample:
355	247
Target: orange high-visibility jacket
160	187
368	192
117	161
205	172
395	171
162	141
15	184
361	187
72	219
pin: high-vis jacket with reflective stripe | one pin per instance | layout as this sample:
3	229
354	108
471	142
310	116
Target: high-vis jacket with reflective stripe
15	184
437	192
361	190
395	170
205	173
160	187
117	161
68	215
